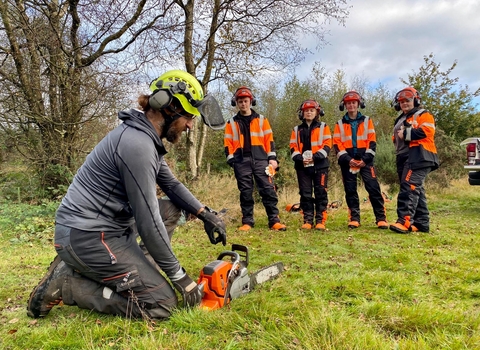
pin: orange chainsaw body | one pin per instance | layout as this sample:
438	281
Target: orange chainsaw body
220	276
214	277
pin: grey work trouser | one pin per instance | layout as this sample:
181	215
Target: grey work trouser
113	275
412	201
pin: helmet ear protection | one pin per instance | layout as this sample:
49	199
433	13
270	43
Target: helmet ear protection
416	97
180	85
162	97
243	91
310	104
352	95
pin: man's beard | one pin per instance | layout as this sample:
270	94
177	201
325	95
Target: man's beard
172	130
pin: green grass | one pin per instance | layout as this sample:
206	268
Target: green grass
341	289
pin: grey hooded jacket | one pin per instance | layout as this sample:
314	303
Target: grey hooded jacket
115	188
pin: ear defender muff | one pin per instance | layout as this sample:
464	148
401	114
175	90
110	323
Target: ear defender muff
300	112
160	99
395	104
321	112
243	91
352	95
416	99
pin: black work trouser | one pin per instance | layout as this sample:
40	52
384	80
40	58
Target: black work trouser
312	185
412	201
249	172
401	162
372	186
113	275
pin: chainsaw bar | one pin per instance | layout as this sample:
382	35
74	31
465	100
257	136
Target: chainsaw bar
265	274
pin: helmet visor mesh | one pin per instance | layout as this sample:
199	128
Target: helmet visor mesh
211	113
405	95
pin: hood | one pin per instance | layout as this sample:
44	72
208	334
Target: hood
347	120
137	119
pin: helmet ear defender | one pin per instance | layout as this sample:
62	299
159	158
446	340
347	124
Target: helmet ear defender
416	98
162	97
233	101
314	104
361	102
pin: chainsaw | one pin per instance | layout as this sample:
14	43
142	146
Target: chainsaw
227	279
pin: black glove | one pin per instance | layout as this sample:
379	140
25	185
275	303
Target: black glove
192	293
231	161
213	224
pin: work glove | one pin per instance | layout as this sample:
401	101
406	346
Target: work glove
270	170
231	161
355	165
191	292
213	225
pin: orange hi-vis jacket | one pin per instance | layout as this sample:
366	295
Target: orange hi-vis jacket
261	138
320	141
420	138
366	141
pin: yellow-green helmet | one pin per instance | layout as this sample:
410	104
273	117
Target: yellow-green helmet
180	84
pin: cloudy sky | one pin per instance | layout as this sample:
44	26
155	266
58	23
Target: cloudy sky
383	40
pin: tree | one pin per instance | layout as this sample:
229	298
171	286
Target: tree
230	39
379	107
62	61
65	67
450	103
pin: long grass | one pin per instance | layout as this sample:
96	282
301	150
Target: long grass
341	289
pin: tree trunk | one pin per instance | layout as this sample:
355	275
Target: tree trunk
191	149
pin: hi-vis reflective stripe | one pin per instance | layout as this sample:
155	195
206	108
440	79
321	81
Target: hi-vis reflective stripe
417	113
314	143
295	140
415	116
408	136
236	133
363	137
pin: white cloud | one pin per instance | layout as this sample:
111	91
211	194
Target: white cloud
385	40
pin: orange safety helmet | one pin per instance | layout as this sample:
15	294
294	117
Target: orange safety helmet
405	94
243	91
351	96
310	104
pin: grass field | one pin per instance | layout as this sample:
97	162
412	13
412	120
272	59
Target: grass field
342	289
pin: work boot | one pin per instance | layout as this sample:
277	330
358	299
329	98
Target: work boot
353	224
307	226
320	227
278	227
48	292
245	227
382	225
399	228
414	228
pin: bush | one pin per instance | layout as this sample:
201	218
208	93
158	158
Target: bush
385	161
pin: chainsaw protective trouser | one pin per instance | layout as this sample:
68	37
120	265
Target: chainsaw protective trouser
313	202
372	186
249	172
113	275
412	201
